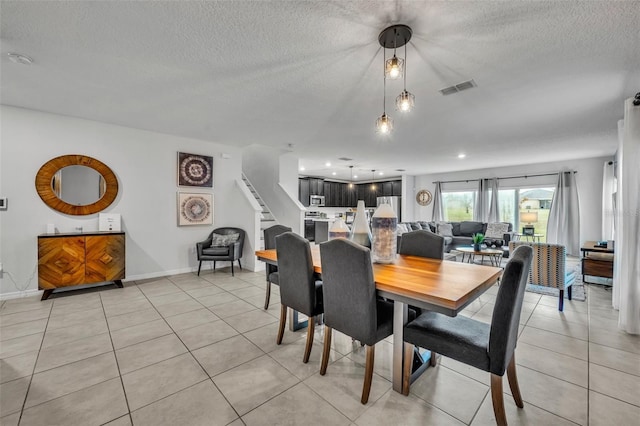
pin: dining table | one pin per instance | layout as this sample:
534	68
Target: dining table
437	285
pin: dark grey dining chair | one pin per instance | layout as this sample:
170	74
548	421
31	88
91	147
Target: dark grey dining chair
422	243
299	289
489	347
270	235
350	302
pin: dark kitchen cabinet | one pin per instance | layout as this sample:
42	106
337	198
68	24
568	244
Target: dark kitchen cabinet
316	186
303	191
328	200
387	188
396	188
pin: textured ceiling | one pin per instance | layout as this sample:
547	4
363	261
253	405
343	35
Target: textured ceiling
552	76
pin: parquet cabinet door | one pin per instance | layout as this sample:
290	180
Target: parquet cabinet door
61	262
105	258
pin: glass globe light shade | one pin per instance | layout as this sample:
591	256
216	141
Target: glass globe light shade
394	68
405	101
384	124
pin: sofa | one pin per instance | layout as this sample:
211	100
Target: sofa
461	233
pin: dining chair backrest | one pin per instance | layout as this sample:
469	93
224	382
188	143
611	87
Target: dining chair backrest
422	243
349	289
506	312
270	235
295	267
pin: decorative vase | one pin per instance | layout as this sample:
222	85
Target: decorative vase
384	224
360	231
476	246
339	229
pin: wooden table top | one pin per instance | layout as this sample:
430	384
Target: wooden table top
439	285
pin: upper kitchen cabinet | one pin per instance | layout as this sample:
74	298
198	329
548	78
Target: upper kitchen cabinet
396	188
316	186
387	188
303	191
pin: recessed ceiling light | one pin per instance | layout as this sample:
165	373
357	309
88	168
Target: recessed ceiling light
355	176
334	173
462	155
328	164
381	173
19	59
302	168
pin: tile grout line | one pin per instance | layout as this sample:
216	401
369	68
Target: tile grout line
192	356
24	402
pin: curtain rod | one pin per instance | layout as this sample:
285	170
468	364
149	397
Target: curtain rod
507	177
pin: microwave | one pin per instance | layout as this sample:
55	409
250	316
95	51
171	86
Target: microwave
316	200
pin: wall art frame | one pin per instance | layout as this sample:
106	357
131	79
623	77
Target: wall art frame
195	208
195	170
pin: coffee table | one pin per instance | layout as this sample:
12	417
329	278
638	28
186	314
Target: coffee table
494	255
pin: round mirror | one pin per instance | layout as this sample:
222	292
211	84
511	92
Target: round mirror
76	184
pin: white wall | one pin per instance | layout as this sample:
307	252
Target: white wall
274	175
145	164
588	180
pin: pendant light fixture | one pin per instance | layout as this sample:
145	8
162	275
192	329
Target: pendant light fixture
391	38
384	123
405	100
351	180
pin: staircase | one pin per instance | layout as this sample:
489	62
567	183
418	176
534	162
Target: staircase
266	217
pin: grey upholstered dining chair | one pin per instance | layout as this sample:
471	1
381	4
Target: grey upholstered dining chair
222	244
350	302
299	289
270	235
489	347
422	243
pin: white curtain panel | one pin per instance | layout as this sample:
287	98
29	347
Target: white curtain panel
563	226
485	208
626	274
494	207
438	211
608	190
481	205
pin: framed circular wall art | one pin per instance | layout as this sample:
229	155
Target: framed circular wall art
195	209
424	197
195	170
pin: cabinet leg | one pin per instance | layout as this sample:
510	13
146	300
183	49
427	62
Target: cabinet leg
46	294
118	283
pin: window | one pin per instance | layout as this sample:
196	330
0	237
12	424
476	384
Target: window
533	209
458	206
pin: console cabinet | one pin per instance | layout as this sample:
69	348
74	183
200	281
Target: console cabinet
66	260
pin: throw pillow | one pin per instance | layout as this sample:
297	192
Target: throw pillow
219	240
445	229
402	228
496	230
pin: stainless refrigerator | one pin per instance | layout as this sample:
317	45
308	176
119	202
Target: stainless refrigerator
394	202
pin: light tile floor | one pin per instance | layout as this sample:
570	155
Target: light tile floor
187	350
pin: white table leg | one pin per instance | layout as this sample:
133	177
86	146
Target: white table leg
399	320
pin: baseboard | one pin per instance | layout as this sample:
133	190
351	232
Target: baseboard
19	294
158	274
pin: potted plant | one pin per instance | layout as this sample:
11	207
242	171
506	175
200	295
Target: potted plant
477	240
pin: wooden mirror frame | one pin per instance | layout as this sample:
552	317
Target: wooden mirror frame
51	167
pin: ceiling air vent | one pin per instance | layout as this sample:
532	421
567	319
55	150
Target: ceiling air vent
458	87
345	159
